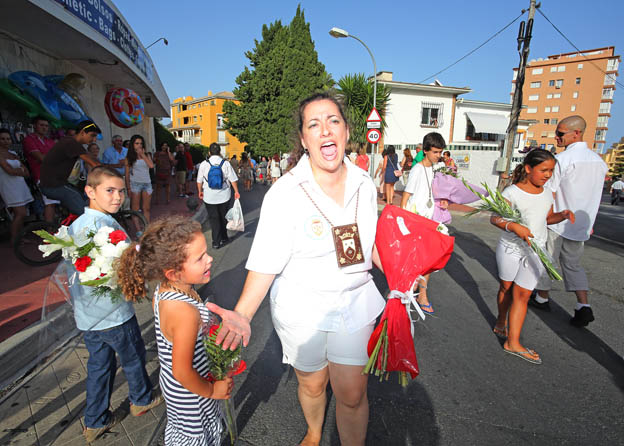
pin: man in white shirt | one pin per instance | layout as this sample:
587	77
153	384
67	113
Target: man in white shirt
217	199
616	191
577	184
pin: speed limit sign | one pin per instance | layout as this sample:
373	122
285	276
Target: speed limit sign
373	136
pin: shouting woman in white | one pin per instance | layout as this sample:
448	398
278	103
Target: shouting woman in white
315	246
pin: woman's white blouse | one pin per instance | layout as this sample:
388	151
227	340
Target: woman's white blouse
294	242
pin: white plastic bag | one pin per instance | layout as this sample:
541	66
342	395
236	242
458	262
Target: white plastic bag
234	218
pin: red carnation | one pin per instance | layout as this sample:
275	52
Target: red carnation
214	329
117	236
82	263
242	366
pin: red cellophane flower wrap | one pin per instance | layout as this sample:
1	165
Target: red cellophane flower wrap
409	246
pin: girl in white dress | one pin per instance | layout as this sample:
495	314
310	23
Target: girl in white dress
13	188
519	268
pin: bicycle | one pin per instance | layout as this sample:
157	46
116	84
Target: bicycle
26	246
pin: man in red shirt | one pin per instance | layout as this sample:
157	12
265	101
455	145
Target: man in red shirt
35	146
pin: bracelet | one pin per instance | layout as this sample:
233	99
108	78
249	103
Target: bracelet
508	223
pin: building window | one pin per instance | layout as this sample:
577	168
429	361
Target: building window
547	109
609	79
559	83
553	69
551	134
532	110
201	117
580	66
219	121
556	95
195	118
529	134
612	65
534	97
600	147
546	121
185	120
561	69
184	107
577	81
605	107
555	109
431	114
554	120
221	138
538	70
601	135
607	93
549	96
537	84
603	121
551	83
573	108
575	94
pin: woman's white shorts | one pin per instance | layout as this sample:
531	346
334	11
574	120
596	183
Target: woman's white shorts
310	350
521	267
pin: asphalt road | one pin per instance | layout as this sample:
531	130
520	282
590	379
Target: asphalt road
609	224
469	391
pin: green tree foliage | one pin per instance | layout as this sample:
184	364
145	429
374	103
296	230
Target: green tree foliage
283	70
198	151
357	93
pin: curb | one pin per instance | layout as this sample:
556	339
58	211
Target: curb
27	348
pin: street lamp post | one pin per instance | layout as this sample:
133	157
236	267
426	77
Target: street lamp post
156	41
339	33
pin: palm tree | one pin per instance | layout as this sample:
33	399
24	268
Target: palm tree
356	92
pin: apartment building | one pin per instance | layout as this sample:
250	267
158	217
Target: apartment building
578	83
200	121
614	157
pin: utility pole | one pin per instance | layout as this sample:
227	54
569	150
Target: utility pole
524	40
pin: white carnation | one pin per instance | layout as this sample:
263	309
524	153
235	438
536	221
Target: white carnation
92	273
121	247
101	237
108	250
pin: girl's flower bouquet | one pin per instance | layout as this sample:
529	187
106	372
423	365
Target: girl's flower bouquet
447	185
497	204
223	364
409	247
92	253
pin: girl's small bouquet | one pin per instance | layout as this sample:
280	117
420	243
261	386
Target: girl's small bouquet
497	204
92	252
223	364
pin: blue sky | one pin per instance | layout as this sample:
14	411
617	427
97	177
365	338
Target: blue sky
413	39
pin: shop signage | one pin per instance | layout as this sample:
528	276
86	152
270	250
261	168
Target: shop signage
102	18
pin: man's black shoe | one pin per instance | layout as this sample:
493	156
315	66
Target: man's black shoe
215	245
582	317
222	243
540	306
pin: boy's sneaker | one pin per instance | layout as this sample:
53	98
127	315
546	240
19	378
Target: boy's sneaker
582	317
93	433
137	411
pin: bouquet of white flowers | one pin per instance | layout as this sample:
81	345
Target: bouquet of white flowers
92	253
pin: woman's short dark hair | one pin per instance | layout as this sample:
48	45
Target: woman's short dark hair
390	150
533	158
214	149
298	151
433	139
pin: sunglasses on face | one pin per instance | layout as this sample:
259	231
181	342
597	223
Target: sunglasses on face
560	134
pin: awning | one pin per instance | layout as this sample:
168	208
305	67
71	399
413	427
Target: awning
487	123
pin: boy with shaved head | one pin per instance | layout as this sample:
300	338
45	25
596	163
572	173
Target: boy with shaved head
577	184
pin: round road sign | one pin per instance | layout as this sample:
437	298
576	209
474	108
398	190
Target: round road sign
373	136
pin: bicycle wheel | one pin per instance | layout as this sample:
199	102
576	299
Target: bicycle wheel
133	222
26	246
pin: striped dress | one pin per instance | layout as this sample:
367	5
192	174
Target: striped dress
191	419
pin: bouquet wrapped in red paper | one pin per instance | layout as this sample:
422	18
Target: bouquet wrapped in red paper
409	247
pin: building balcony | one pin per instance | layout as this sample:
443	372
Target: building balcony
474	145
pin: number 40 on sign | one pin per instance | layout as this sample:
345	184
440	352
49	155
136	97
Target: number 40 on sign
373	136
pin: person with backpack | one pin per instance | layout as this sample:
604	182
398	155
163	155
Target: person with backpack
215	179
